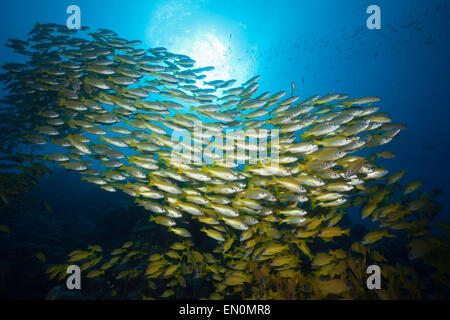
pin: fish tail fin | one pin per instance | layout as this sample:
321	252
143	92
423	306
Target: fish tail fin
4	198
304	136
390	234
273	181
180	170
293	205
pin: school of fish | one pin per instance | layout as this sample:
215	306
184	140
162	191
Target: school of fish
275	220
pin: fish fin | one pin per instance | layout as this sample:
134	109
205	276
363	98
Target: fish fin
304	136
293	205
390	234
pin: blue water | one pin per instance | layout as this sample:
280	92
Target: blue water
323	46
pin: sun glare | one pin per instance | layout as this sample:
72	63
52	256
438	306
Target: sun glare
207	50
